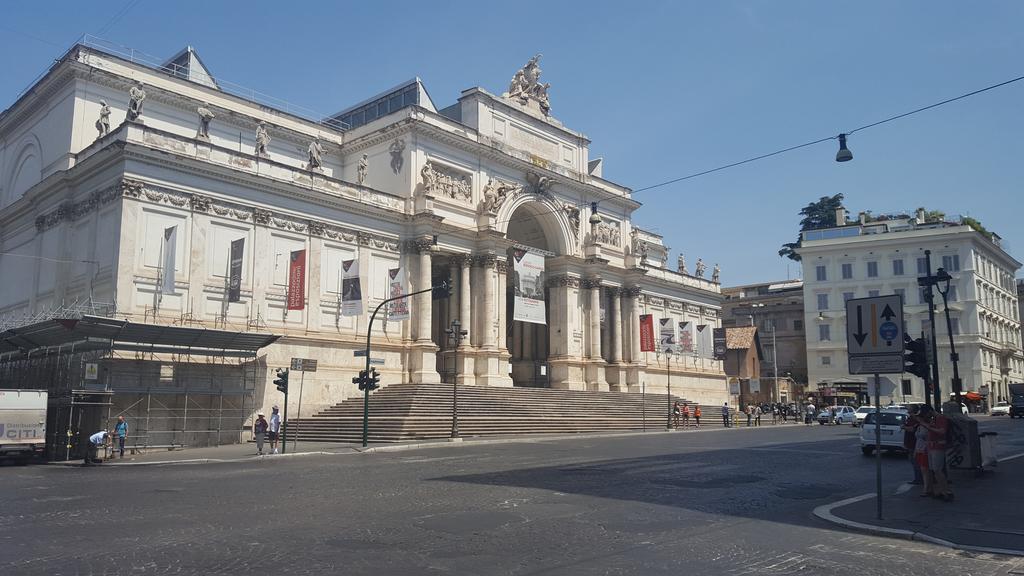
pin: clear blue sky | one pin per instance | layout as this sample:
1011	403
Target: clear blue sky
663	89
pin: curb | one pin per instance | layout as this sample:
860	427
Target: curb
824	512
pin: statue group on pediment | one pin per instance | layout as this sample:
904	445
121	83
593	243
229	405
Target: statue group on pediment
526	85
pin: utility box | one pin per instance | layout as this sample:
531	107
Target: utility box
966	451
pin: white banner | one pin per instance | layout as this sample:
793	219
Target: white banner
170	257
668	342
528	287
351	291
399	309
705	341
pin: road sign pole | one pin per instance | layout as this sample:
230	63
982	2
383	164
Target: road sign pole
302	381
878	444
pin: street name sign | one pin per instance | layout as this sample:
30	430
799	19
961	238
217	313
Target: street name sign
874	334
304	364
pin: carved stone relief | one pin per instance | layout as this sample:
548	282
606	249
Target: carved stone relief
608	233
444	181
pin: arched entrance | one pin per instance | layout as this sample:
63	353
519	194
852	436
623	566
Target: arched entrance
533	229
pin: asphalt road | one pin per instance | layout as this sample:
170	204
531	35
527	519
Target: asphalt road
716	502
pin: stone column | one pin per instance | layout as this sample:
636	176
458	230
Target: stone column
424	312
487	263
595	318
502	268
615	323
423	353
633	294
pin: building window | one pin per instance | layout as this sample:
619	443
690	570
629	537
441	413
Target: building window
951	263
901	292
951	296
824	334
798	325
822	301
908	390
922	266
826	360
955	323
820	274
872	269
872	293
897	267
922	298
847	271
847	296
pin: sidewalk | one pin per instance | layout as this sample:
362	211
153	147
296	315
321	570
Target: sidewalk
984	517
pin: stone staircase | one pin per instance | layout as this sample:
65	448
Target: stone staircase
404	412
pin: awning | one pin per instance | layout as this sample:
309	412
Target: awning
101	333
973	396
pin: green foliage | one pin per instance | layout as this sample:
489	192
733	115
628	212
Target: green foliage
820	214
933	215
973	223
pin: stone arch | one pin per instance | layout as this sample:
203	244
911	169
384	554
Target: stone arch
548	213
26	169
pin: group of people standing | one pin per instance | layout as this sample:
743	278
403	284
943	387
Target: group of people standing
684	412
263	430
924	437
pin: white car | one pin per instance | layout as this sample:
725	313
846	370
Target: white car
892	431
858	416
1001	409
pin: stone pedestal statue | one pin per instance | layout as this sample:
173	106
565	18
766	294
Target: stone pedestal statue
315	151
262	140
136	96
103	123
361	171
205	116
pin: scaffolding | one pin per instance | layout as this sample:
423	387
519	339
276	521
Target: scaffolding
176	386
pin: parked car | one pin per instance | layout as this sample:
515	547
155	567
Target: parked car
891	424
860	413
1016	400
1001	409
841	415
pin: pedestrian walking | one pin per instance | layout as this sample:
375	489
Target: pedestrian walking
809	414
686	415
275	429
725	414
696	416
750	414
757	415
95	441
775	414
910	444
676	412
259	431
121	431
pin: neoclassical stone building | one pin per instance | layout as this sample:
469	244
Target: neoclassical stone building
105	155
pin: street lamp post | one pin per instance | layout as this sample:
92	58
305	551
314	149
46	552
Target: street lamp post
942	276
455	336
928	282
668	378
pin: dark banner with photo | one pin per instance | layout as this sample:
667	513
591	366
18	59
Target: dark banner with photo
235	270
719	344
351	289
528	287
397	309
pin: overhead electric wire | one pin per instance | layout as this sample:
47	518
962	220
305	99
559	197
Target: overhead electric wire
804	145
117	16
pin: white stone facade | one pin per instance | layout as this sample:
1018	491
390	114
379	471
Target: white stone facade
83	217
879	258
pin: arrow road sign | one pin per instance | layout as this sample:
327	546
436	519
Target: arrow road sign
874	334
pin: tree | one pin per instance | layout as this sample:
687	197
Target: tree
820	214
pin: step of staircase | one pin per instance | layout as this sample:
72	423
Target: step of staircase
404	412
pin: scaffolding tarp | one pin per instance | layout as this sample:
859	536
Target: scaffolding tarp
97	332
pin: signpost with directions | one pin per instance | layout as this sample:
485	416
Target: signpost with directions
299	365
874	345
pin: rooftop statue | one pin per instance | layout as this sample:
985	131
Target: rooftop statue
526	86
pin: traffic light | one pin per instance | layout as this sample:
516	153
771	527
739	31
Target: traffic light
373	381
915	356
282	380
441	290
360	380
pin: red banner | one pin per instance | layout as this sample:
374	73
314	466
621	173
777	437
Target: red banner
297	281
646	333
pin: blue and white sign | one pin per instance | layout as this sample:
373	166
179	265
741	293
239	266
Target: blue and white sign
874	334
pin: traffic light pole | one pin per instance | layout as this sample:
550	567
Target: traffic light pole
369	332
284	424
929	294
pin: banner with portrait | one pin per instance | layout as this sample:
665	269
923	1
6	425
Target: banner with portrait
351	289
527	281
397	309
686	337
235	270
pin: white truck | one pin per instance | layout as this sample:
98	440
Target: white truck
22	425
